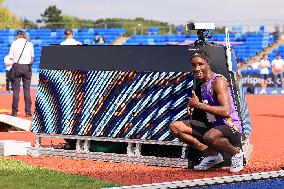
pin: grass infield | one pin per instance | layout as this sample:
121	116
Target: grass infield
15	174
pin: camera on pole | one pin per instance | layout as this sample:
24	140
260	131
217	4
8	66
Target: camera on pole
203	32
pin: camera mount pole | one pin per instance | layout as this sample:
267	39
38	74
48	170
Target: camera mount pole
228	50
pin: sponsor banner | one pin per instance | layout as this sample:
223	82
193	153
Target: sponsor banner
255	79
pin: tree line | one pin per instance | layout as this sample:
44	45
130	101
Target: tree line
52	17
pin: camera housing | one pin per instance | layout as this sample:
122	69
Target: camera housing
203	32
200	26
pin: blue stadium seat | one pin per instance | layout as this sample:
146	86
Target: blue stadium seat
262	29
153	31
180	30
252	42
53	34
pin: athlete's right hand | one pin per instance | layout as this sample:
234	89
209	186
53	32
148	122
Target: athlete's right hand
193	101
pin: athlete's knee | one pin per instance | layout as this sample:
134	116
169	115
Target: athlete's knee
210	139
175	127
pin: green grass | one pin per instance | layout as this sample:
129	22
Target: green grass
15	174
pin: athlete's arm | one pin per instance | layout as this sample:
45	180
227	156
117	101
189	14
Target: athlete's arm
220	89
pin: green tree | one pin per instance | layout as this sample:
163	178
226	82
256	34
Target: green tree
137	25
74	22
7	19
52	17
28	23
219	29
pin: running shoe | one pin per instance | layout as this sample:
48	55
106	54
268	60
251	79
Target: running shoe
237	162
209	162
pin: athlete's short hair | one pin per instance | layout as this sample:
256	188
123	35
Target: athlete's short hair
202	54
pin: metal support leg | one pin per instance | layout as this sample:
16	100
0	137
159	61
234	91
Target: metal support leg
37	141
138	149
86	146
79	145
130	149
134	149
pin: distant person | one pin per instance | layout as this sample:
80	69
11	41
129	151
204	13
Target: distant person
277	69
264	64
96	39
239	75
8	63
222	130
22	54
101	40
255	65
69	38
250	67
276	34
239	65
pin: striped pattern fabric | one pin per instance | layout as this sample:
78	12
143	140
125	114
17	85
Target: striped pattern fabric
119	104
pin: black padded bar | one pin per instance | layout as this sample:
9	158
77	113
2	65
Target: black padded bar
126	58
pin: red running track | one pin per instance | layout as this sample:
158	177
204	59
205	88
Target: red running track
267	115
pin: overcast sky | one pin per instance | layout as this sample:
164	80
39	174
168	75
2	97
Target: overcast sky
173	11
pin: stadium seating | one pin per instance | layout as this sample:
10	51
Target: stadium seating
251	43
272	55
153	31
43	37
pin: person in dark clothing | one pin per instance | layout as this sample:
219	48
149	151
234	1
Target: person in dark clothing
8	63
22	55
